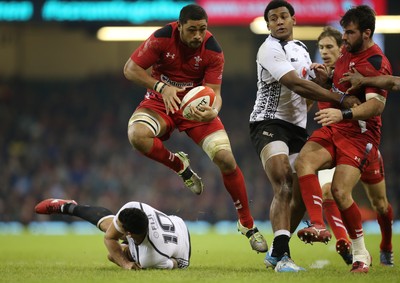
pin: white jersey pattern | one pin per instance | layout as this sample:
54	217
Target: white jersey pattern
168	238
276	58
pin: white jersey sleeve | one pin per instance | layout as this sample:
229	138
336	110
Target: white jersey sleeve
168	238
272	58
274	100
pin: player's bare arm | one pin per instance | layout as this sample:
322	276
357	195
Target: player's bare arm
139	76
311	90
372	107
116	252
358	81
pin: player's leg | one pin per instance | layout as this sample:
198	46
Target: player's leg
146	130
101	217
297	207
377	196
345	178
283	208
373	180
313	156
271	139
217	146
333	217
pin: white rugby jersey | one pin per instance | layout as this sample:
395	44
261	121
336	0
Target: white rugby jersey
168	238
276	58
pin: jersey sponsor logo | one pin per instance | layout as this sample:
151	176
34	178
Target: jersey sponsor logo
167	80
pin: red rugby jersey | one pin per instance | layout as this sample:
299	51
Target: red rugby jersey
371	62
178	65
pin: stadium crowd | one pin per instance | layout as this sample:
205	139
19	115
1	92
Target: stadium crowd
69	140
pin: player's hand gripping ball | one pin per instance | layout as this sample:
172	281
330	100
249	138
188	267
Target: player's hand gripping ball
197	97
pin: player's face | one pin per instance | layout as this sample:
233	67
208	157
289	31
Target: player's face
352	38
329	50
192	33
280	23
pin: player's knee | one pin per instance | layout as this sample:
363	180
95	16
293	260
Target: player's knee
141	128
284	192
143	124
282	181
326	192
225	161
339	195
217	145
299	163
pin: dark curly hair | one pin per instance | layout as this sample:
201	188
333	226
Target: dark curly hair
362	15
192	12
134	220
276	4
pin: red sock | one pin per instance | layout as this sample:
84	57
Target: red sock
332	215
312	197
352	220
160	154
236	187
385	223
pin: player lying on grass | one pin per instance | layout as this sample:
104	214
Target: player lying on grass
137	237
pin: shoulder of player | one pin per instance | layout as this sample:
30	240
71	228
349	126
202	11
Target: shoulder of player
165	32
376	59
300	43
210	43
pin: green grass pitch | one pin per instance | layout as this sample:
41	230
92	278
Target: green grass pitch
215	258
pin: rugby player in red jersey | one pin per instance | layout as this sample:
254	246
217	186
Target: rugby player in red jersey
183	55
349	138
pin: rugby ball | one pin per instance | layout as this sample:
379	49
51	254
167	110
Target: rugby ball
197	97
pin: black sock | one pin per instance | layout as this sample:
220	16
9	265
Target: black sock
91	214
281	246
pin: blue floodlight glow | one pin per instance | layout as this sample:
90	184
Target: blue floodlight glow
117	10
16	11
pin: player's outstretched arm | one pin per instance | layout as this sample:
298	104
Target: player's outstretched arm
313	91
358	81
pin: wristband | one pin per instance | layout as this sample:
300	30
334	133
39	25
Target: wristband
342	98
347	113
162	87
159	86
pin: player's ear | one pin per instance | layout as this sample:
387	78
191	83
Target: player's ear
367	34
179	25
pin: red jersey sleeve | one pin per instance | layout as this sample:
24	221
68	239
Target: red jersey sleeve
213	74
147	53
378	65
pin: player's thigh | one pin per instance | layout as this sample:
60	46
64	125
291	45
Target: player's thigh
318	152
